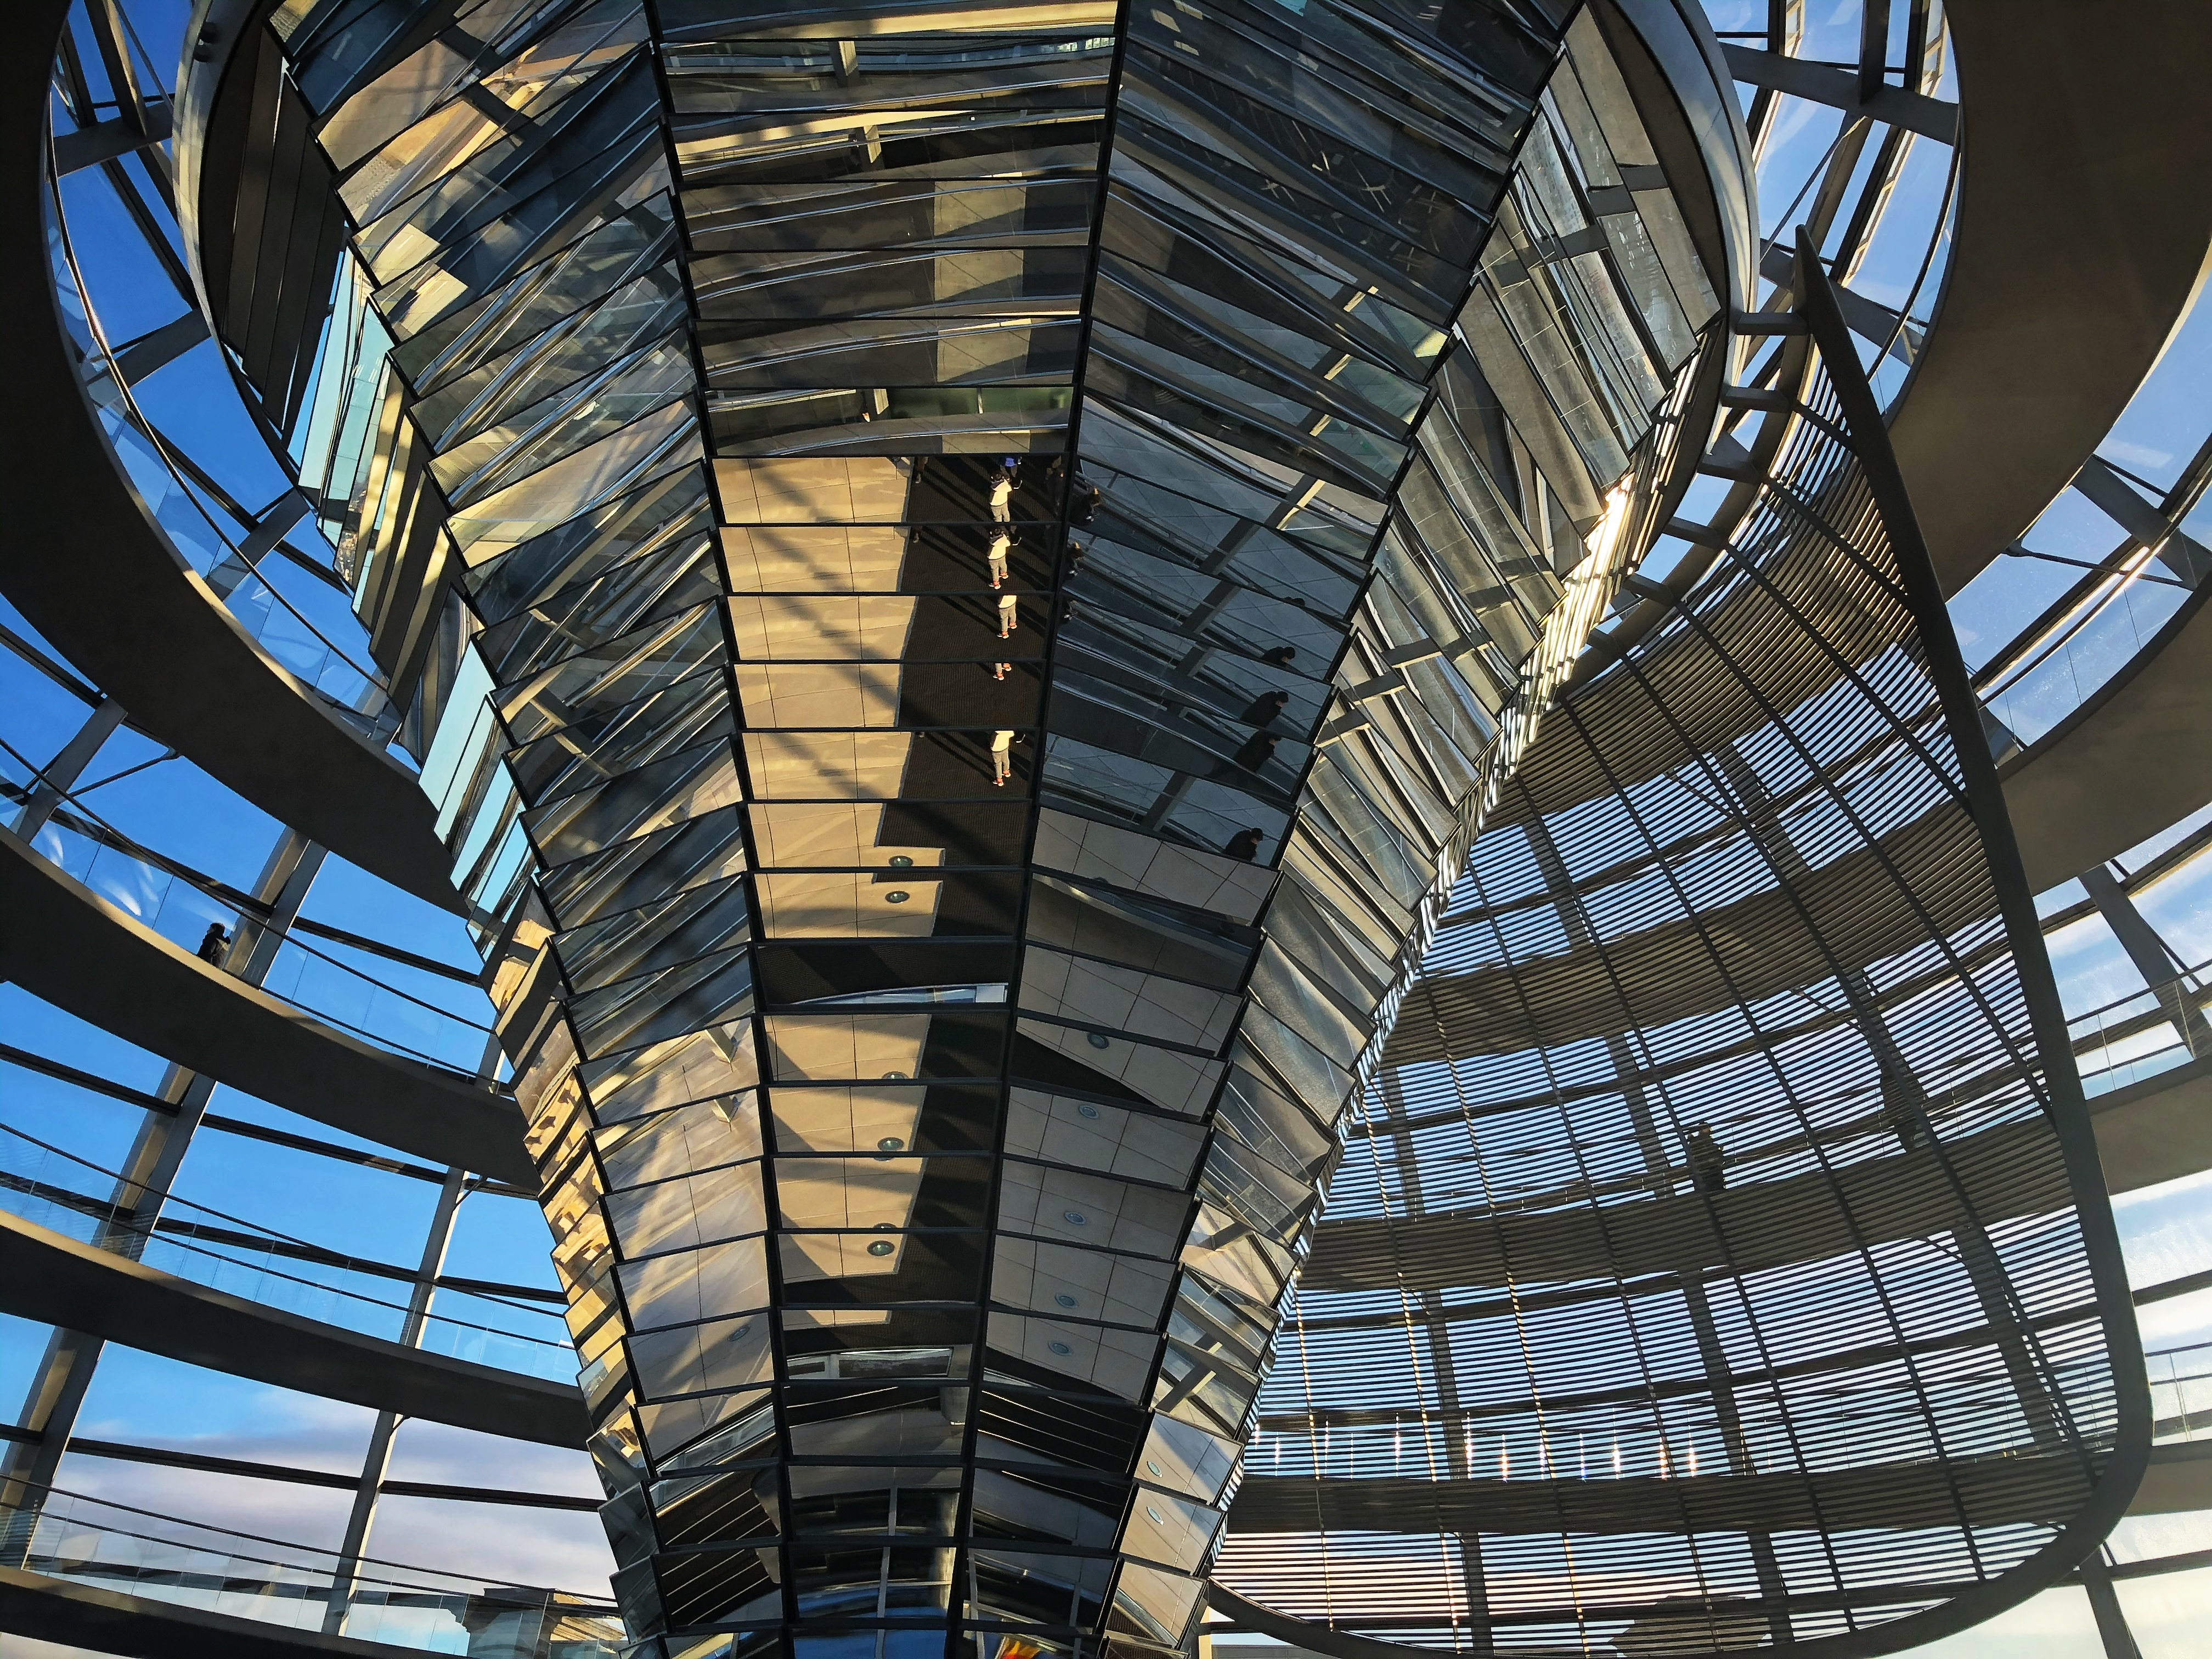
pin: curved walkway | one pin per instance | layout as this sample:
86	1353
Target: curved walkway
2084	217
2040	339
80	1615
1885	1495
2155	1130
2179	1480
50	1277
95	574
2135	758
1752	1225
66	945
1775	940
2159	1129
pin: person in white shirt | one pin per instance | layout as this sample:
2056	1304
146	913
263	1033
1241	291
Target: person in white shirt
1002	497
1009	614
1001	545
1002	757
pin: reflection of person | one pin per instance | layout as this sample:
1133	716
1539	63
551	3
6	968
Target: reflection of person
1245	844
1279	657
1002	756
1000	669
1009	614
1265	711
1084	507
212	944
1001	544
1707	1163
1002	497
1258	749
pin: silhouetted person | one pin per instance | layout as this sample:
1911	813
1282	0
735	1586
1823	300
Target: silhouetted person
213	943
1267	710
1245	844
1258	749
1707	1163
1084	507
1279	657
1901	1115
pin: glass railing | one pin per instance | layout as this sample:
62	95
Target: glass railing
2135	1036
133	1551
198	527
2039	687
43	1184
1807	1422
2181	1392
182	908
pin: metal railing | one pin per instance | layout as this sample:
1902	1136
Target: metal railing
42	1184
94	1541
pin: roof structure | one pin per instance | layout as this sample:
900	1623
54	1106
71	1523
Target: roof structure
1212	796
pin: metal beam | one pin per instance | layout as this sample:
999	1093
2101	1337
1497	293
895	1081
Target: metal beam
1841	88
90	146
2146	525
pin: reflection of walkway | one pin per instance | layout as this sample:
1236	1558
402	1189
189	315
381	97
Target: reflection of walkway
72	948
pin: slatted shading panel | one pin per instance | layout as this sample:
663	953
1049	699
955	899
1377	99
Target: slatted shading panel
1720	1257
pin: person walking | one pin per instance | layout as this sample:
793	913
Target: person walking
1009	614
1001	544
1002	756
1258	750
1084	507
1903	1114
1707	1163
1266	710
